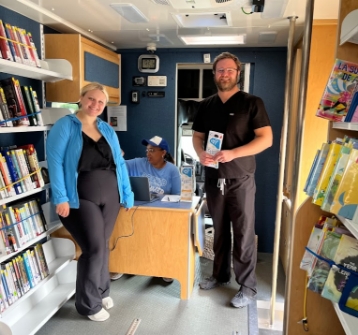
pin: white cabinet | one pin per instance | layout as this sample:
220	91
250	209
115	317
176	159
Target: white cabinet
29	313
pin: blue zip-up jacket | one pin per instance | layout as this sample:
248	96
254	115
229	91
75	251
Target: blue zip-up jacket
63	149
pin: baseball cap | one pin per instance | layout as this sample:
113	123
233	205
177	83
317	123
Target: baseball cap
157	141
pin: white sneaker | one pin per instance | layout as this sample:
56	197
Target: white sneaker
168	280
102	315
107	303
115	275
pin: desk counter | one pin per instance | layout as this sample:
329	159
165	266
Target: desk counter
158	239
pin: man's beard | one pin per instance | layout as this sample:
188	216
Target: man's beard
228	85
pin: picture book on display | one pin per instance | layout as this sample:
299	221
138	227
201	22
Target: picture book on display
321	269
346	257
317	169
332	155
345	201
340	89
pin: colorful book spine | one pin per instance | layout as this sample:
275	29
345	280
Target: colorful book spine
4	44
36	105
345	201
13	172
319	192
4	109
28	270
317	169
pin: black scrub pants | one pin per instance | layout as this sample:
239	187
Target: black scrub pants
91	226
237	205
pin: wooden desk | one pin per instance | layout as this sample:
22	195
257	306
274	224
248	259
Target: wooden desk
162	241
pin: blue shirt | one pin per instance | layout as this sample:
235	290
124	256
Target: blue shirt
63	149
161	181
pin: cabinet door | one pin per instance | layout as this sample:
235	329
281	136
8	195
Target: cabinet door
90	62
103	66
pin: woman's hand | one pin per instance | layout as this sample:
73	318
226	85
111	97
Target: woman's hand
63	209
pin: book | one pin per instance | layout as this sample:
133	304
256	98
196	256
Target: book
5	109
355	115
317	169
32	158
352	108
339	91
323	180
36	106
336	177
15	100
7	178
345	201
28	270
347	257
320	272
313	166
12	170
4	44
33	49
10	43
13	40
29	106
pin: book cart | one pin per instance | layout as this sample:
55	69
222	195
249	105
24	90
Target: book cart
323	316
30	312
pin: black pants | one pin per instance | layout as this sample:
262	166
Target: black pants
237	205
91	226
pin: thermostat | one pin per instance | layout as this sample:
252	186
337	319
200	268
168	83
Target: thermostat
160	81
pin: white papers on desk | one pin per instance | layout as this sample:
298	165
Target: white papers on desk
171	198
117	117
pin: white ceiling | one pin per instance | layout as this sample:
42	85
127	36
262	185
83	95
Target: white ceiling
109	28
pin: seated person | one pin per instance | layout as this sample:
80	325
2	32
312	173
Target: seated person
158	166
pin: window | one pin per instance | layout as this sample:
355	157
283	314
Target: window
195	81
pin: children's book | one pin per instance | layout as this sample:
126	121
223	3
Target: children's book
352	108
321	269
339	91
336	177
355	115
347	257
320	190
317	169
345	201
313	166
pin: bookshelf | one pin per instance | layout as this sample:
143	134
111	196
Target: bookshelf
52	70
323	316
29	313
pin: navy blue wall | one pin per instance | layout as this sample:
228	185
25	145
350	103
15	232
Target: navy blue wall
156	116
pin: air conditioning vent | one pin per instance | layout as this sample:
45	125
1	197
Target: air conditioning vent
196	4
161	2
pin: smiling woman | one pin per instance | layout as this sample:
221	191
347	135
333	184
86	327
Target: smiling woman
89	181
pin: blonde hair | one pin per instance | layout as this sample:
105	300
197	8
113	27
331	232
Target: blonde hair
94	86
227	55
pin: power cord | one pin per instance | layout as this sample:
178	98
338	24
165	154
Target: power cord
131	234
242	8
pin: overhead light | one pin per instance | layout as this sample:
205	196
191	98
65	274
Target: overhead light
213	40
129	12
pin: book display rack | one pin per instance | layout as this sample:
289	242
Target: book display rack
310	313
31	311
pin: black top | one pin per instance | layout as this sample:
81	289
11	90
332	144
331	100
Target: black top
237	119
95	155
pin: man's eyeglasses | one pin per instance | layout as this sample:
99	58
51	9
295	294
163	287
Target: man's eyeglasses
151	150
229	71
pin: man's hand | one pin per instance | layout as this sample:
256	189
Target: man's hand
63	209
206	159
224	156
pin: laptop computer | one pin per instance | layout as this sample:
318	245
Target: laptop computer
140	188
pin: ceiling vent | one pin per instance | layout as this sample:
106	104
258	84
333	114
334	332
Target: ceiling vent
197	4
192	20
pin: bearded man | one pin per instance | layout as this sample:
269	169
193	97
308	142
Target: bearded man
230	188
